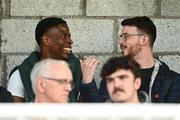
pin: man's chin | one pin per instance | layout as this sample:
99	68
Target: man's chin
64	99
117	100
65	57
124	54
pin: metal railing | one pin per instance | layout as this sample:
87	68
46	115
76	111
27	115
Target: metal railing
80	111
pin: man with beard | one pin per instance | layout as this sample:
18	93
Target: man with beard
137	38
54	39
51	81
122	76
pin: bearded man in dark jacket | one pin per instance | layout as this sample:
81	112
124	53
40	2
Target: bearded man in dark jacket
137	38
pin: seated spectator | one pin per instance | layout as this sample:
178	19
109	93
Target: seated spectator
51	81
5	96
54	39
122	76
137	38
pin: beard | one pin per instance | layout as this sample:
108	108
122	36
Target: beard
131	50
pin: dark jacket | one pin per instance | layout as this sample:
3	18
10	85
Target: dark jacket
5	96
27	65
166	88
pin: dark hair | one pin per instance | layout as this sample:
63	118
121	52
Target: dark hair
117	63
144	24
45	25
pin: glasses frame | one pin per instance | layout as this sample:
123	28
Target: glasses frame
61	81
126	35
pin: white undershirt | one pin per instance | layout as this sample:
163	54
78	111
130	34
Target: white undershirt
15	85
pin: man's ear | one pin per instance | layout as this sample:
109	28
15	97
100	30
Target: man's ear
137	83
40	83
144	40
45	40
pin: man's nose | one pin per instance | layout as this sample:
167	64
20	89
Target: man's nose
117	83
68	87
121	40
121	43
69	40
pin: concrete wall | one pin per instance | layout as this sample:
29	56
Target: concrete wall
93	25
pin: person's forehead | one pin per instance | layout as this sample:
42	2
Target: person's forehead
58	29
61	70
127	29
62	27
120	72
59	67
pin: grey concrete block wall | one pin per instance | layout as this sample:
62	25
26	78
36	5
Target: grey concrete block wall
87	33
121	7
93	24
167	35
170	8
17	35
13	61
45	7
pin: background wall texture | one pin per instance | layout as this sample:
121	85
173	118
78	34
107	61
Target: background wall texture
93	24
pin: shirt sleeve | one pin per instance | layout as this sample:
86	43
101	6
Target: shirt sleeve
89	92
15	85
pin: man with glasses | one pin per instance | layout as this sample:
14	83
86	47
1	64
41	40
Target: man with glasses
51	81
137	38
54	39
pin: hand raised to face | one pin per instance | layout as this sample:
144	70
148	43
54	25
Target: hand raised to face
88	67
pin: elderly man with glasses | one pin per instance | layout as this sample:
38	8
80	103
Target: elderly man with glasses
51	81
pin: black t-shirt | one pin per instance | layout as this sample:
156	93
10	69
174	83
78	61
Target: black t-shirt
146	78
5	96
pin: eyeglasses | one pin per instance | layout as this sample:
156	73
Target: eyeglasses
126	35
63	82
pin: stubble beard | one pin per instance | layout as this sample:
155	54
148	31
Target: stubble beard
134	50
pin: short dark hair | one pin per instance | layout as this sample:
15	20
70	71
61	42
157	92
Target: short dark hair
117	63
45	25
144	24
